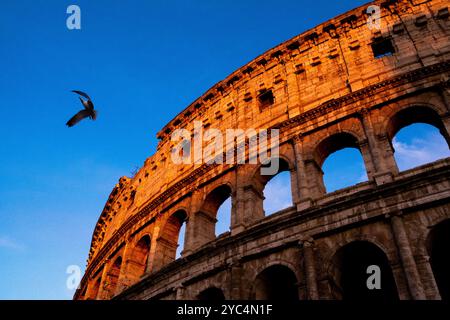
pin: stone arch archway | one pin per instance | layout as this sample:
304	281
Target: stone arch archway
326	147
138	260
112	278
94	289
257	191
211	294
167	242
415	114
408	120
276	282
206	216
349	272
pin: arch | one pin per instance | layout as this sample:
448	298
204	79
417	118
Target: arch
276	282
333	143
348	273
278	192
265	189
410	156
112	278
211	294
415	114
138	260
93	291
167	242
206	217
437	246
328	146
284	165
215	198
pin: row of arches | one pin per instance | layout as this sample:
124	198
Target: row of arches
348	274
266	195
135	260
416	136
347	278
417	133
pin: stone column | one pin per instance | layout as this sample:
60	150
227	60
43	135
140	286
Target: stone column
314	180
238	203
368	158
424	267
304	195
445	90
123	280
381	151
310	269
196	200
237	210
409	264
165	253
203	228
153	247
253	205
445	131
236	274
179	292
102	291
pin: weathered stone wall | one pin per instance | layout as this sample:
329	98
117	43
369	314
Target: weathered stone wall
328	92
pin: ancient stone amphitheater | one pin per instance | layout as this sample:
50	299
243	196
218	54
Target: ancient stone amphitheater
341	84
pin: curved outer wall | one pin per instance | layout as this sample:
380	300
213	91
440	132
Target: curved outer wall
328	91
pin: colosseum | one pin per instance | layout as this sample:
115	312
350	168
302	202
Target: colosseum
342	84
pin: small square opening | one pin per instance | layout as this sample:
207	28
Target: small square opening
382	47
266	98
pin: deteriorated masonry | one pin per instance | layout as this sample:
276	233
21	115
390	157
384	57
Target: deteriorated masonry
338	85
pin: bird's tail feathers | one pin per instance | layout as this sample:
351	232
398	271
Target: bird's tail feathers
94	114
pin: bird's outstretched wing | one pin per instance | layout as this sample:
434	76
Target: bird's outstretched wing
87	104
78	117
81	93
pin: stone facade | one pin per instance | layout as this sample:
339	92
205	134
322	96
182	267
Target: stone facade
338	85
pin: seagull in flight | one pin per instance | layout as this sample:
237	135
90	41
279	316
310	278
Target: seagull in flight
88	110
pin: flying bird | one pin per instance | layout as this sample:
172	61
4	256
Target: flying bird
88	110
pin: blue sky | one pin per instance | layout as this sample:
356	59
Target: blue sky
142	62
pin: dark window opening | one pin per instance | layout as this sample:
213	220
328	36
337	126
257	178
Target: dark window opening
211	295
266	98
349	276
278	283
382	47
438	249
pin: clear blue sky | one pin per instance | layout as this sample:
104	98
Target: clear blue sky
142	62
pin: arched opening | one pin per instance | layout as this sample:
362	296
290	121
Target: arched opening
438	242
352	279
112	278
418	136
277	282
341	162
277	189
207	225
418	144
212	295
223	218
93	291
343	169
180	246
168	240
138	261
